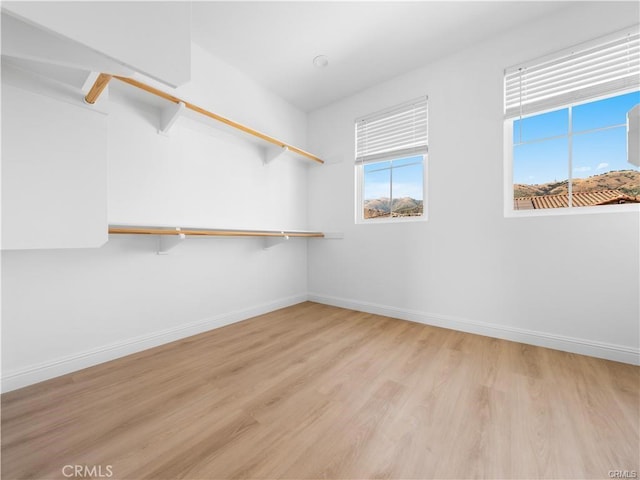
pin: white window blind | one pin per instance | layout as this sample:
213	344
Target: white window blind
400	131
585	71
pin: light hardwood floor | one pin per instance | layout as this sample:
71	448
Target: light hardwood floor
313	391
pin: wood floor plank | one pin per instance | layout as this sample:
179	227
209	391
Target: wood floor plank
314	391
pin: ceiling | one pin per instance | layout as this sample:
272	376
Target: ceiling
366	42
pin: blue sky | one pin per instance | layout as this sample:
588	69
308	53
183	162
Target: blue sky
407	179
593	152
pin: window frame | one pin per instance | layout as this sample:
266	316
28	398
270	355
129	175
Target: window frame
509	211
359	197
392	134
508	132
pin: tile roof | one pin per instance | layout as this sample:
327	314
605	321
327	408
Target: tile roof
579	199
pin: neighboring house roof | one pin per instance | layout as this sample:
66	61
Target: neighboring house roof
579	199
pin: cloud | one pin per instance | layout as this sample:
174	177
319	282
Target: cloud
602	166
582	169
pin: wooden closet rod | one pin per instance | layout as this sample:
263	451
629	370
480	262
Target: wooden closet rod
103	79
211	233
98	86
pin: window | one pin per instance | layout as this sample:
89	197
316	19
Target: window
570	125
391	149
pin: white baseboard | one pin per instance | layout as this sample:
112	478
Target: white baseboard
37	373
618	353
44	371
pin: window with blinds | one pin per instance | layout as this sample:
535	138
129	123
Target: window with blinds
570	119
391	148
581	73
395	132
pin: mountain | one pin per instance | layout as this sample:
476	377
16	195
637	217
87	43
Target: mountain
400	207
626	181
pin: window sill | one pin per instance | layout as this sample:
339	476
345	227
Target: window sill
376	221
553	212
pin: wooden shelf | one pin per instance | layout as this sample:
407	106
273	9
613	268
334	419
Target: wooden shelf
103	80
169	238
130	230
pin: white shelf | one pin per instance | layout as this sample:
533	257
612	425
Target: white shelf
273	147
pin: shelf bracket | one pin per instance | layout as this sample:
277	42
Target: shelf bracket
272	241
274	152
169	116
167	242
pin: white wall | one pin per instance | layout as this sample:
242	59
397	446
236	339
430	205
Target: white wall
66	309
54	172
160	31
569	282
203	176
